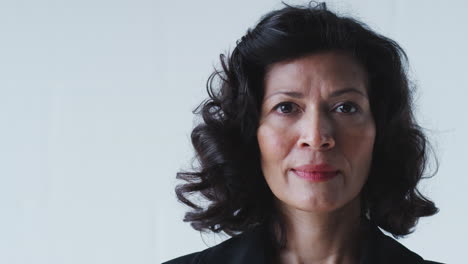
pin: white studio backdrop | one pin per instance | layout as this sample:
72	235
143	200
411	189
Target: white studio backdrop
95	113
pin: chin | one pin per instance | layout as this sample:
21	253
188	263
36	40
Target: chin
322	204
319	207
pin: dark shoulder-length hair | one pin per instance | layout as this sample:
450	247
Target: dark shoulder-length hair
230	191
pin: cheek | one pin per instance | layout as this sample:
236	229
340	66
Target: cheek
358	139
274	148
357	145
274	143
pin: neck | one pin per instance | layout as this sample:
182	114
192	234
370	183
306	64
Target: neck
322	237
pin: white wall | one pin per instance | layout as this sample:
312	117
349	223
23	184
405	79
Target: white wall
95	117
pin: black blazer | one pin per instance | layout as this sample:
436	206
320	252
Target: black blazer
251	247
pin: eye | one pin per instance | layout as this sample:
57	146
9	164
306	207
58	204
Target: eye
286	108
347	108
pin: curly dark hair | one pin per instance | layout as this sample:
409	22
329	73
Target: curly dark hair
229	176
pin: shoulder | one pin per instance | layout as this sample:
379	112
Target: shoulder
187	259
251	247
248	247
384	249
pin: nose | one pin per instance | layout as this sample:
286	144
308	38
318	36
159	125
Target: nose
316	132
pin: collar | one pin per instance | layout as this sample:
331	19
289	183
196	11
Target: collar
380	248
252	247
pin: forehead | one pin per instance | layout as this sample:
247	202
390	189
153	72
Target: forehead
328	70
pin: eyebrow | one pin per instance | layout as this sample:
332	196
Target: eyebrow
333	94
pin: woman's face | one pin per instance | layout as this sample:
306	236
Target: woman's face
316	111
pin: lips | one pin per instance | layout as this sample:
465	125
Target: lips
316	172
322	167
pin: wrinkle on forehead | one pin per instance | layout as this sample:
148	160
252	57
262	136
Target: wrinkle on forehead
316	70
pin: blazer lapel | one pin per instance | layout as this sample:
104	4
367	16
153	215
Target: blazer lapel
382	249
247	248
251	247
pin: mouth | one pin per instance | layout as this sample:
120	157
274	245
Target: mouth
316	176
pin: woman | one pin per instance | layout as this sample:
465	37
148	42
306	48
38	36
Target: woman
308	146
